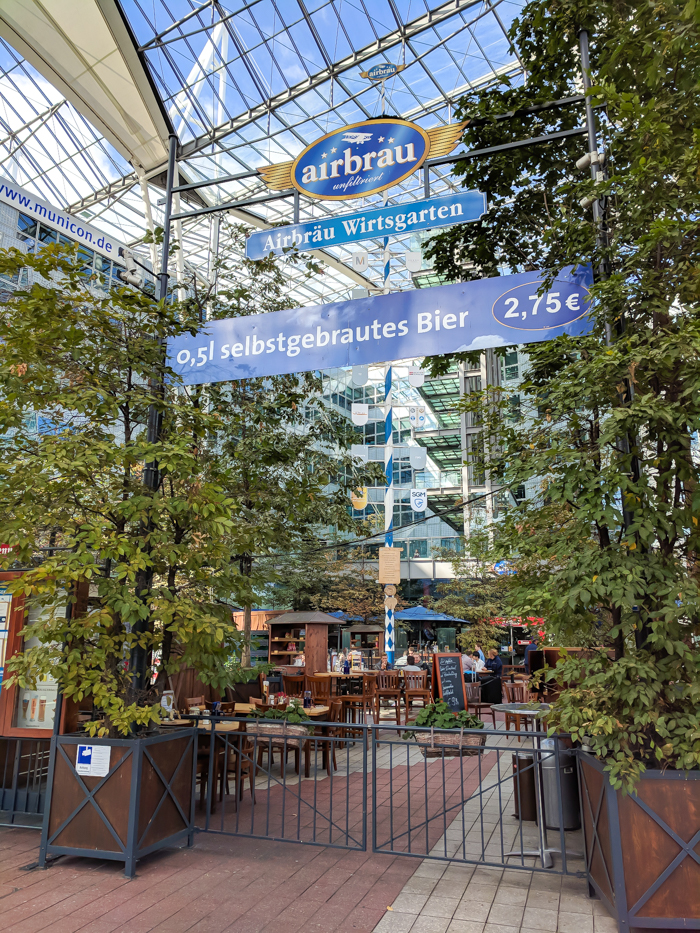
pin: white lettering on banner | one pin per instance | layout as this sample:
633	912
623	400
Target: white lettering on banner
407	325
41	210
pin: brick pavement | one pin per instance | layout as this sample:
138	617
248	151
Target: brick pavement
232	883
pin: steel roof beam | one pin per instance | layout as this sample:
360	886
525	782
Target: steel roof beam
416	26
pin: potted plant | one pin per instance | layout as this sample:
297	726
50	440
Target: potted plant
439	716
598	431
282	720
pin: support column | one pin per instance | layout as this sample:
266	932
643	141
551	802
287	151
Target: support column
389	627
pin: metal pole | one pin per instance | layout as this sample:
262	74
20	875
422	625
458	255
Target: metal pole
626	443
389	627
151	478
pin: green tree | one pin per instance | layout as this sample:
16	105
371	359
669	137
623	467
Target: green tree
89	365
608	420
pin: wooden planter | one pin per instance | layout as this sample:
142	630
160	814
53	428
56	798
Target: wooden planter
144	802
459	744
643	849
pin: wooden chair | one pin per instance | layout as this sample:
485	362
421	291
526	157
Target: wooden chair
293	684
389	688
241	748
320	688
358	705
415	688
517	693
474	703
269	744
336	716
194	701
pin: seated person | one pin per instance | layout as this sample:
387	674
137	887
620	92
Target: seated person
491	687
468	667
383	664
402	661
478	663
494	663
411	664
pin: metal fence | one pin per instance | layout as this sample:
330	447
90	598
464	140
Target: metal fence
430	795
24	767
480	804
288	787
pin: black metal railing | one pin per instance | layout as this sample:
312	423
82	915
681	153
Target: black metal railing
291	787
476	797
477	803
23	774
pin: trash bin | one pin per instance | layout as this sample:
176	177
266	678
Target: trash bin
524	784
568	787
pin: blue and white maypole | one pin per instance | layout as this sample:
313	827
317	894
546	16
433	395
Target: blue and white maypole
389	628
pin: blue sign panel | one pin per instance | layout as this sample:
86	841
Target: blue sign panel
360	159
404	325
364	225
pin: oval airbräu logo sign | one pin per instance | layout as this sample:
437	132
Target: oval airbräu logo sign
360	159
382	72
523	308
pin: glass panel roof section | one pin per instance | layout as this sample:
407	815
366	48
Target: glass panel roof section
252	82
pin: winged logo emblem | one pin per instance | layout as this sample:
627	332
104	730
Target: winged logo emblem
442	140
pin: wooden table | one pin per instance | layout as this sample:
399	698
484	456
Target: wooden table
202	726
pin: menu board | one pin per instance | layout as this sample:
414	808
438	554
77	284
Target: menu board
449	680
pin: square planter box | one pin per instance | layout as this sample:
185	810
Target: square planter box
144	802
643	849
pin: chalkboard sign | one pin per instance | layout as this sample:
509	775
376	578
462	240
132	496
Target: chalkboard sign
449	680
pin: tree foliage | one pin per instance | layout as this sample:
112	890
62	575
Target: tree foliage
243	470
608	421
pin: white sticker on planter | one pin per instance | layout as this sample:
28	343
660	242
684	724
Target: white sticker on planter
93	760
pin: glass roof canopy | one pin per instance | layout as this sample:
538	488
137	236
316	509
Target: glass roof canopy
246	83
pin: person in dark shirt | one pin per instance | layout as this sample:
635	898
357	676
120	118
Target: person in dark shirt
491	687
494	663
528	651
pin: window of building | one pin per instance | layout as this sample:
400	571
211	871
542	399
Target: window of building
26	227
509	366
417	548
46	234
403	474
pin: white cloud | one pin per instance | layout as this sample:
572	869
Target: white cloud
482	343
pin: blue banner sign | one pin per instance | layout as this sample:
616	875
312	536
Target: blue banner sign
404	325
364	225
